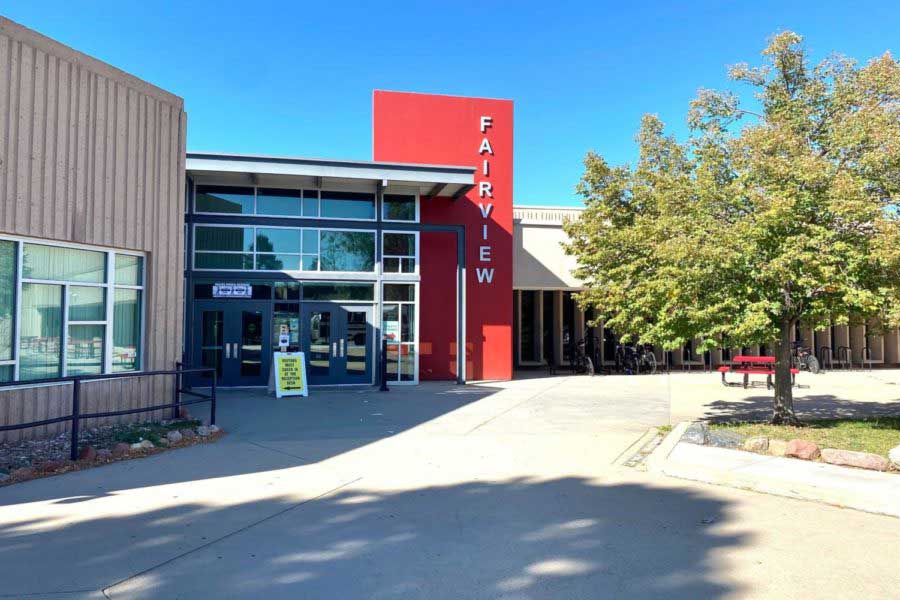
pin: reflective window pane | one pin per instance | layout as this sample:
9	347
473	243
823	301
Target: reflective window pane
319	343
277	262
224	239
339	291
6	373
310	241
63	264
211	336
286	316
407	362
357	342
400	244
126	330
391	264
287	290
251	343
390	322
84	349
407	322
347	205
310	203
277	240
224	199
310	263
407	265
87	303
7	298
399	207
129	269
206	260
278	202
347	251
399	292
39	331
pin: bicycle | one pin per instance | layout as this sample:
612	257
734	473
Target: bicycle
804	359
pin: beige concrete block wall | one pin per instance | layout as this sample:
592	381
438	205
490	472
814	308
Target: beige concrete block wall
92	155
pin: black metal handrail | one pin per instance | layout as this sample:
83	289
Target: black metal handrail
76	416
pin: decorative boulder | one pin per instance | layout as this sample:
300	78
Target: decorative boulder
760	445
136	447
104	453
188	434
203	431
802	449
87	453
894	456
696	433
777	447
163	442
725	439
860	460
174	437
146	444
215	429
3	476
120	449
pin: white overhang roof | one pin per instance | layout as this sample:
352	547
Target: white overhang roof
274	171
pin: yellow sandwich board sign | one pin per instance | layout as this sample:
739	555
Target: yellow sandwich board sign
290	374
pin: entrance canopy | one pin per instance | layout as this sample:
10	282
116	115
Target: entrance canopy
273	171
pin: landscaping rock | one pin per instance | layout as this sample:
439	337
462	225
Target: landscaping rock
136	447
777	447
215	429
23	473
188	434
146	444
725	439
3	477
802	449
894	456
696	433
121	449
203	431
174	437
87	453
860	460
760	445
164	442
104	454
49	466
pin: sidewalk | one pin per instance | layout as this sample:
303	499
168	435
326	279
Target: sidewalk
868	491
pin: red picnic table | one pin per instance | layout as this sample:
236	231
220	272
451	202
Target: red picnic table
753	365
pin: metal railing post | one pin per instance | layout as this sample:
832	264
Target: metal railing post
176	385
76	415
212	401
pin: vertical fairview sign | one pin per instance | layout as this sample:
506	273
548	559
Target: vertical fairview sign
475	132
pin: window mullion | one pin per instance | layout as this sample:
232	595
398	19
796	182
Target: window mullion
64	338
110	299
17	311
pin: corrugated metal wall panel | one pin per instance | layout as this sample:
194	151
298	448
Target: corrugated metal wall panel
92	155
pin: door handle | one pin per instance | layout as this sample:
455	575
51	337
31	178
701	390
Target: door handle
342	347
227	350
334	349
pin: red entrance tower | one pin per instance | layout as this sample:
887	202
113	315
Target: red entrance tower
477	132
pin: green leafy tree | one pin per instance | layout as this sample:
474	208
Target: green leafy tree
766	216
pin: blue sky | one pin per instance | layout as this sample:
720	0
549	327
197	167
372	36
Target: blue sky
296	78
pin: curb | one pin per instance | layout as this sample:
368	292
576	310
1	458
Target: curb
657	458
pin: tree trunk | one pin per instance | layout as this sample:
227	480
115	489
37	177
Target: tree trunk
784	398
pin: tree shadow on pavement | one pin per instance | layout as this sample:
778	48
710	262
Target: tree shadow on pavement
820	406
518	538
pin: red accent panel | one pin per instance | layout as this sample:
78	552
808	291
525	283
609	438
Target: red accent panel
446	130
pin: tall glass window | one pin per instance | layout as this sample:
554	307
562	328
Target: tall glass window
65	325
278	202
398	322
7	308
347	205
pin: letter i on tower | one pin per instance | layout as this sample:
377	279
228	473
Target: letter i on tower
485	193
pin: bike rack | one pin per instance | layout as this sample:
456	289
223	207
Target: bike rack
845	357
823	351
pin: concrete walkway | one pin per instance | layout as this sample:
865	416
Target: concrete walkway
483	491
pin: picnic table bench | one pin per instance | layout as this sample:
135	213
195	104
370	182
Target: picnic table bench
754	365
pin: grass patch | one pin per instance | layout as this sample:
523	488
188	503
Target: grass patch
875	435
152	431
664	429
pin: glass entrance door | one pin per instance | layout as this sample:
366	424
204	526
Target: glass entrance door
232	337
337	341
